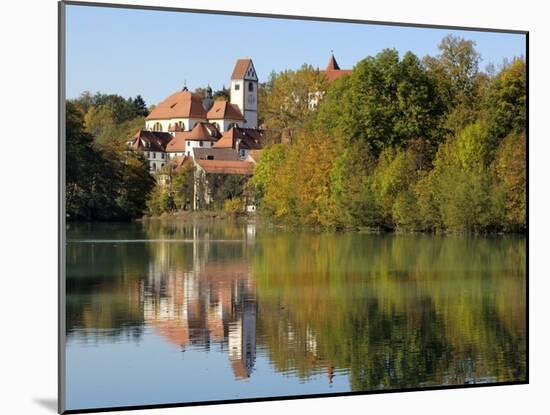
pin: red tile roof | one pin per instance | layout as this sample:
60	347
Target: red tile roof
202	131
215	154
177	162
223	110
332	64
241	66
150	140
226	167
249	138
334	75
182	104
333	71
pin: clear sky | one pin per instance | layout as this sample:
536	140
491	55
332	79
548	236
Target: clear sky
152	53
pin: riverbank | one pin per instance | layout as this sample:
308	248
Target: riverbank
201	216
210	216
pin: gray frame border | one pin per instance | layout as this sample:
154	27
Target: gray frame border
61	381
61	237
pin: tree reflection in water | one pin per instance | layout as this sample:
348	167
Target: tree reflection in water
389	311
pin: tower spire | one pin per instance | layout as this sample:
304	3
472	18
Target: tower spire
332	64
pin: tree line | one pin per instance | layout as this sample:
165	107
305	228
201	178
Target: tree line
403	143
104	180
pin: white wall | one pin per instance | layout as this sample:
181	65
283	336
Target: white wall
189	146
246	100
224	124
187	123
237	96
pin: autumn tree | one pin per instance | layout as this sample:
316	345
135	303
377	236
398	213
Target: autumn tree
285	103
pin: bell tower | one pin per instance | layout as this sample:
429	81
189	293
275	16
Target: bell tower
244	91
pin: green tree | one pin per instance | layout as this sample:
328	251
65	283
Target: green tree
506	100
386	102
140	107
511	170
102	182
459	83
182	186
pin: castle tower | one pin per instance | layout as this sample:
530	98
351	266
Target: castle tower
244	91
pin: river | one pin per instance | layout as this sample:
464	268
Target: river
162	312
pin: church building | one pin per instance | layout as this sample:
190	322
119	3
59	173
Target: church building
185	121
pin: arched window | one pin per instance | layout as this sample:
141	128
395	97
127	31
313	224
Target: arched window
153	166
251	86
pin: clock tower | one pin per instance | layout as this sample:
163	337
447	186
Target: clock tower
244	91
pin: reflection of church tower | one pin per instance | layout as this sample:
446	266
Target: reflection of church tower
242	339
244	91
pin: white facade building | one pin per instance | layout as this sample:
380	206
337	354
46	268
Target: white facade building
244	91
185	121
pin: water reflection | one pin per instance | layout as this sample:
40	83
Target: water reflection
381	312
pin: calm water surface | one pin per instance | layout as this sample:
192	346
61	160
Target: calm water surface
163	312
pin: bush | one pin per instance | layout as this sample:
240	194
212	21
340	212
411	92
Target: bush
234	205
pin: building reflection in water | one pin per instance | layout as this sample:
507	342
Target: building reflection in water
212	304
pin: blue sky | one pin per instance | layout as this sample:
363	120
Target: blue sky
152	53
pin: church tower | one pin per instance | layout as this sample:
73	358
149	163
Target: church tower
244	91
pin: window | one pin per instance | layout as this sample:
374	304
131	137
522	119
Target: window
251	86
210	157
242	153
161	155
153	166
189	144
200	143
148	155
154	155
237	87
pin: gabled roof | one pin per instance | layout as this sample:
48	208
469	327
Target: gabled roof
241	68
223	110
333	71
182	104
177	162
249	138
150	140
226	167
202	131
